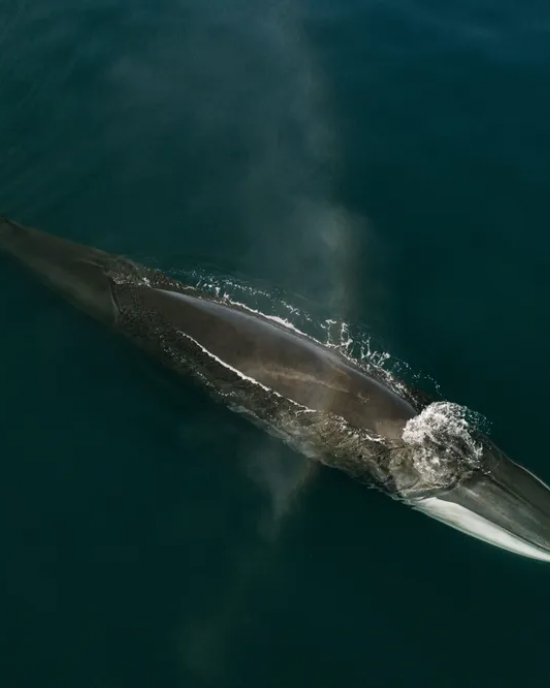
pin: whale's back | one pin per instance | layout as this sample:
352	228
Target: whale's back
286	362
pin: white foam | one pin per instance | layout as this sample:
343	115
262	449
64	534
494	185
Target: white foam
275	318
438	416
441	428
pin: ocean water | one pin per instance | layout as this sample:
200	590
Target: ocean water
381	164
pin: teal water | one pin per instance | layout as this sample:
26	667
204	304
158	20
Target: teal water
385	164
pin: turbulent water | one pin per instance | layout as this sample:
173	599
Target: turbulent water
375	175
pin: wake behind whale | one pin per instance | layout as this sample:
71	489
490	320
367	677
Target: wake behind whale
347	413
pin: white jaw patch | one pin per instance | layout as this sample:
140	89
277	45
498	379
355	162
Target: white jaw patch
471	523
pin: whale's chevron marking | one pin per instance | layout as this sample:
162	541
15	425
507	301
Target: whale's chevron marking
238	372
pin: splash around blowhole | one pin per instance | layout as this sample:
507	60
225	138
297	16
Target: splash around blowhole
443	439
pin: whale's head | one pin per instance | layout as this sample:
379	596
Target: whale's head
459	477
502	503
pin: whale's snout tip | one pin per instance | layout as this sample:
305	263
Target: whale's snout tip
504	505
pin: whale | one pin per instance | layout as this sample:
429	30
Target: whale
337	411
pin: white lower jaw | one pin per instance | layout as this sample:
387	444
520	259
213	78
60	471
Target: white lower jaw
472	524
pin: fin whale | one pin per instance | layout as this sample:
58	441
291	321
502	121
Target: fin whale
326	406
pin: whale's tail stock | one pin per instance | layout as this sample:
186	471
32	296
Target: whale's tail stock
75	271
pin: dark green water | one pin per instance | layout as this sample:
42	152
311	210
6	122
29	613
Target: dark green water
385	163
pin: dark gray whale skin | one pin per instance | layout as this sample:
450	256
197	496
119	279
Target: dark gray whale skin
326	406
